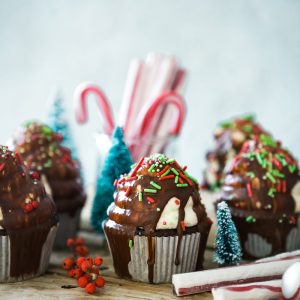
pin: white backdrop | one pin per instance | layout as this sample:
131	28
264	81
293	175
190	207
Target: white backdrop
241	55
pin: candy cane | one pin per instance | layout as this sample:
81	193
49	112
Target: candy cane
166	98
80	98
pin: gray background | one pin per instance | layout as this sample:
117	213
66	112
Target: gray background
241	55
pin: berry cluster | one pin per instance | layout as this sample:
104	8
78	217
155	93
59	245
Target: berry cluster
82	267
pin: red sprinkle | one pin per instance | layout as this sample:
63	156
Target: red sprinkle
284	186
151	200
293	220
18	157
163	170
249	190
28	207
121	180
187	179
180	180
166	177
182	225
35	204
2	166
127	191
184	168
278	186
277	163
177	164
137	167
115	182
131	178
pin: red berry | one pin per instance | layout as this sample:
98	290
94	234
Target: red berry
89	259
82	282
80	260
70	242
82	250
35	204
79	241
71	273
28	207
68	263
35	175
77	273
100	282
90	288
98	261
86	266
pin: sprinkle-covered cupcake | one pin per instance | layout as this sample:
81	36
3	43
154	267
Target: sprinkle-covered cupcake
28	221
262	187
157	225
229	139
41	150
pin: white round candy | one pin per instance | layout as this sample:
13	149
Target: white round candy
291	281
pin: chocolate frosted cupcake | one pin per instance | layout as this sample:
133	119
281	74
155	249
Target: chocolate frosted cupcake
41	151
157	225
262	188
229	139
28	221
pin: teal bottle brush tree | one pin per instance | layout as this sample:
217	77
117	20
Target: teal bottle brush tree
228	248
118	161
58	122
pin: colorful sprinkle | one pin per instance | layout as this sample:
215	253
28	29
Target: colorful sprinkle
182	225
163	171
166	173
166	177
292	168
137	167
174	171
249	190
130	244
176	179
170	160
152	191
276	173
186	178
151	169
151	200
180	185
127	191
271	177
140	196
250	174
191	177
155	185
271	192
2	166
284	186
250	219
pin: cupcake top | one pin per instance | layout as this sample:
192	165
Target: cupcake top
23	200
41	150
229	138
263	178
157	195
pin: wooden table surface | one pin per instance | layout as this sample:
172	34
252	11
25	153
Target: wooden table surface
53	285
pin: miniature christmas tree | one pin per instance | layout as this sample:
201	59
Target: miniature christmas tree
57	121
228	248
117	162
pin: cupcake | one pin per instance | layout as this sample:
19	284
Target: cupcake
229	138
262	187
157	225
28	221
41	150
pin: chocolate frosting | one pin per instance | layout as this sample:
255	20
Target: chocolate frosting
141	197
26	213
258	189
41	150
229	138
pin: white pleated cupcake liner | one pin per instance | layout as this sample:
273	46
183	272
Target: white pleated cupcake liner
68	228
165	253
5	258
257	246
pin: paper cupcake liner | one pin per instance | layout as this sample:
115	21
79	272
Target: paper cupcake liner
165	252
293	239
5	258
68	227
257	246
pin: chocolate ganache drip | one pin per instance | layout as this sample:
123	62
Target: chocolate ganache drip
41	151
229	138
26	213
145	202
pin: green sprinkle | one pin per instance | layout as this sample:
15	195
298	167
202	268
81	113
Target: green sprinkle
281	159
140	196
150	191
226	124
250	219
155	185
259	159
176	179
278	174
271	192
162	158
249	117
174	171
271	177
46	130
48	164
132	166
190	177
182	185
270	166
166	173
250	174
130	244
292	168
248	128
267	140
170	160
151	168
